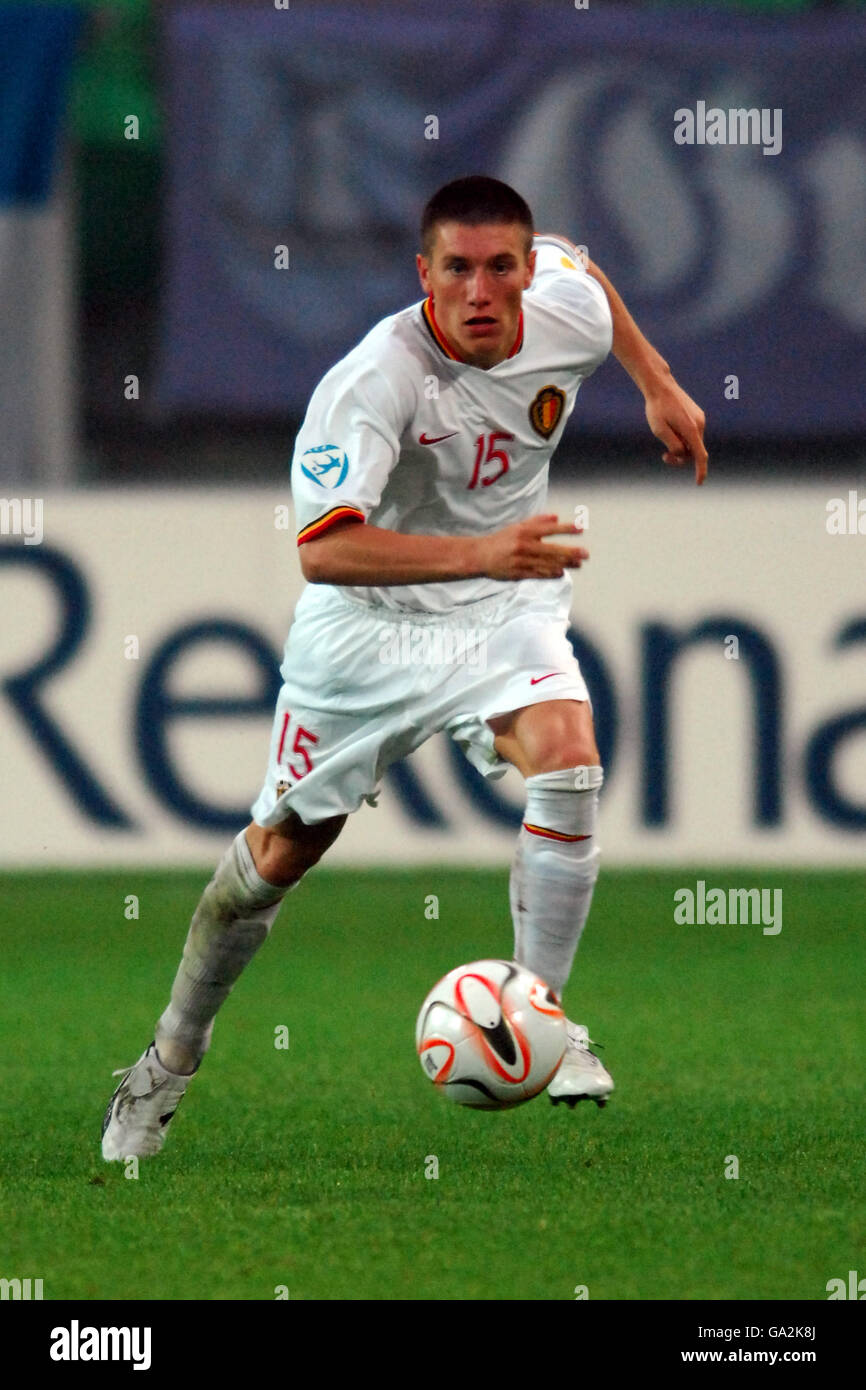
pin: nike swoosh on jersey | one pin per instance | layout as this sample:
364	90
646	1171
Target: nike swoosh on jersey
422	438
536	679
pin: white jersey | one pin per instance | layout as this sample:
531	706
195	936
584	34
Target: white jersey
404	435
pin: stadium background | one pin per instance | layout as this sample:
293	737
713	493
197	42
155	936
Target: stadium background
153	370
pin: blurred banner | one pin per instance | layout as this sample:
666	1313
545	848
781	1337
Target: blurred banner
722	636
37	47
323	130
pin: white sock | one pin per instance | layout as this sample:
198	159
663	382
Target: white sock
554	870
233	918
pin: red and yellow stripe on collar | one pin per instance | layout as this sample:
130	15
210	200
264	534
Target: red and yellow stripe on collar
343	512
518	341
442	342
553	834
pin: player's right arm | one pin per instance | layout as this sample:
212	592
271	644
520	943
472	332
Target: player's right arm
355	553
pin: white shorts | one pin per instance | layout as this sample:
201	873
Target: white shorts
364	687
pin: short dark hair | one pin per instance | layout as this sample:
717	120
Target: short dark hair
474	201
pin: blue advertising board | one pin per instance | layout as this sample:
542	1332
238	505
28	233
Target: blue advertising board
713	166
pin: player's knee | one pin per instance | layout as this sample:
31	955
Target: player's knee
556	744
551	755
284	853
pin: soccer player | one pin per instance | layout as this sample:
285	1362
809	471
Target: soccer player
419	480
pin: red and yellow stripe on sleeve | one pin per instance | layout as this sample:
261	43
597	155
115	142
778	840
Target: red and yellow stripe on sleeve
344	512
554	834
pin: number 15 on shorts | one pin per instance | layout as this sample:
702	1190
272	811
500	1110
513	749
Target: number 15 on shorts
294	738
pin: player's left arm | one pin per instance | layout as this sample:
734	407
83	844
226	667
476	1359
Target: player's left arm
672	415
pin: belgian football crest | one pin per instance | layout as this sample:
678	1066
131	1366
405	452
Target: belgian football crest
546	410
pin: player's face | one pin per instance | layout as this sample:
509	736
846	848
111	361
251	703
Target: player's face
477	276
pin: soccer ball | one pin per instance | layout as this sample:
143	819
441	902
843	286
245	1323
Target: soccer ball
490	1035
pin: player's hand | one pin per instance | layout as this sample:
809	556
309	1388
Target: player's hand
678	422
520	552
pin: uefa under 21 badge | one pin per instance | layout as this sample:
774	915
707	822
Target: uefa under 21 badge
325	464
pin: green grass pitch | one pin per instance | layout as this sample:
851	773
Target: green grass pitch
305	1167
